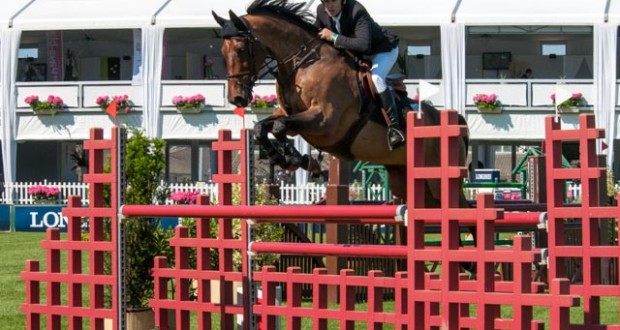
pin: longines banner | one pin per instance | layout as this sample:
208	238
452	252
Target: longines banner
40	217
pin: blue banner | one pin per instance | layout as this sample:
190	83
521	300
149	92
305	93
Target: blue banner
5	217
39	217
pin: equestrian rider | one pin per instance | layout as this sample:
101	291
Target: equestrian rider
348	25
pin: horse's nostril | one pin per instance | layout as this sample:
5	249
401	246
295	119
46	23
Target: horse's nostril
240	101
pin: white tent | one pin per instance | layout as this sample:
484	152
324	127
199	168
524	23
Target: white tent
531	12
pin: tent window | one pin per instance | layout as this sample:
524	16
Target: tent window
553	49
419	50
28	53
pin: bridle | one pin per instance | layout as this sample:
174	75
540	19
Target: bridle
299	57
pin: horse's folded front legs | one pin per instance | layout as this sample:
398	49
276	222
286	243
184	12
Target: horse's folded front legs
293	157
261	131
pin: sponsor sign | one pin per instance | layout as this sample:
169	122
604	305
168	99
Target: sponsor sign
39	218
5	217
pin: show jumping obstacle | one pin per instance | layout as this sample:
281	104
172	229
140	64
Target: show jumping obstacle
423	298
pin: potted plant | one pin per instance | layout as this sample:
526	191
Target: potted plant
44	194
487	103
189	104
49	107
123	103
263	103
571	105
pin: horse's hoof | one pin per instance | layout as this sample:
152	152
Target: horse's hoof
293	162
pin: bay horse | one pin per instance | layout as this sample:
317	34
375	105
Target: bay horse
319	95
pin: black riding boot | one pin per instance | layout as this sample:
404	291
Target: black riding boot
395	127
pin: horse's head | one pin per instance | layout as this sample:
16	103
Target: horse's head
243	56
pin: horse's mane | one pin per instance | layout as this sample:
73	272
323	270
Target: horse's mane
293	12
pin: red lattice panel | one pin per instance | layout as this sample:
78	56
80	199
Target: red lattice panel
593	249
79	276
445	299
182	276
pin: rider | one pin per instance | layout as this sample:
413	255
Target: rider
348	25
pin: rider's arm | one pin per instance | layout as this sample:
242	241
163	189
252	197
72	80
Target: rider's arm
361	39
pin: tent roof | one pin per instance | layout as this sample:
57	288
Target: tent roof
91	14
398	13
10	8
197	13
531	12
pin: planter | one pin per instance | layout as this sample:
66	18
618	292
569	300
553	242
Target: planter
495	110
44	112
572	109
189	110
268	110
44	201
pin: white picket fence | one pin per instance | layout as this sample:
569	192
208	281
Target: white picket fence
17	193
291	194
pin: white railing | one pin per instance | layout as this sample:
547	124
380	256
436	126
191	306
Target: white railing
204	188
308	194
312	193
17	192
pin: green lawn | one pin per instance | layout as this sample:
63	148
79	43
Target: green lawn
18	247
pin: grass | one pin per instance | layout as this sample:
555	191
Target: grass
18	247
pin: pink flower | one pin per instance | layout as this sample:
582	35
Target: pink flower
185	197
32	99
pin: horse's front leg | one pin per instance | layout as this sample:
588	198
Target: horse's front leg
292	125
261	133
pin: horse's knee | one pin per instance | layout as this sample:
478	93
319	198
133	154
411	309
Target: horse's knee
279	128
260	130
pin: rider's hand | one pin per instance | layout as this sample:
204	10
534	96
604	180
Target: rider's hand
326	34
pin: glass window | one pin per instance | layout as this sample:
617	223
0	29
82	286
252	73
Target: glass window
28	53
419	50
557	49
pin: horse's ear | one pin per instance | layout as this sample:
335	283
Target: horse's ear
220	20
239	24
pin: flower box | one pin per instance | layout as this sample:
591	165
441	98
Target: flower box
123	103
487	103
189	104
44	194
571	105
45	108
192	110
495	110
268	110
263	104
568	109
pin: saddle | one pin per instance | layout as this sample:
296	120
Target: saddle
395	81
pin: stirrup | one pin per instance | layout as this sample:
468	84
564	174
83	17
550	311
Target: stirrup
395	137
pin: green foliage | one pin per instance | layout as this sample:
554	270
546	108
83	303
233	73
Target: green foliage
145	238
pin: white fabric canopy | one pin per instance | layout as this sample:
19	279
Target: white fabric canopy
197	13
531	12
605	44
86	14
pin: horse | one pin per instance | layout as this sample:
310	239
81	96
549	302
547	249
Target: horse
319	95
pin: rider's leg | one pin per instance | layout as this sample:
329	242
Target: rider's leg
395	129
382	64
